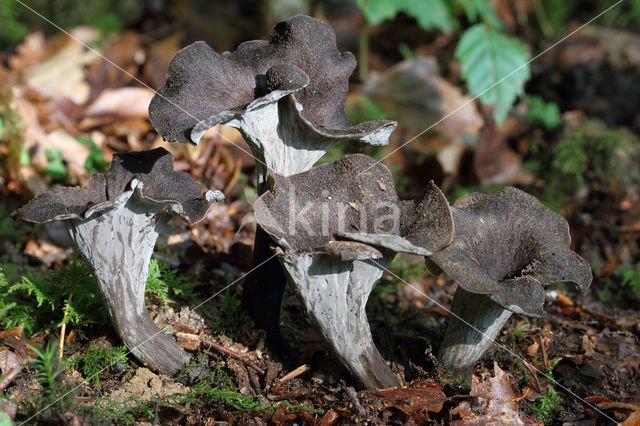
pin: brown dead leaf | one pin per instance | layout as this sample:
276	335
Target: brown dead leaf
587	346
15	330
62	74
532	349
632	420
421	395
494	161
284	415
31	50
330	418
123	102
44	251
414	92
8	361
21	345
498	403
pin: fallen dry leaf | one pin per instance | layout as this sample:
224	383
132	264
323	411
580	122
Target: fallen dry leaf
8	361
123	102
420	395
420	97
62	74
498	403
632	420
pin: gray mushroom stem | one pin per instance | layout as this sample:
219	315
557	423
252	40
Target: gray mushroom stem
334	293
473	325
118	243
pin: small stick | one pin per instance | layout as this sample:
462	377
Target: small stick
353	396
10	377
295	373
232	354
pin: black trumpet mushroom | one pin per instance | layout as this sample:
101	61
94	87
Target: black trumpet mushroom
286	96
114	223
425	226
507	247
333	279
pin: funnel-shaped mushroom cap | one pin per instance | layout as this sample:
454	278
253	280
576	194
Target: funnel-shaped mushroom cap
157	182
426	226
302	212
242	89
114	223
333	279
508	245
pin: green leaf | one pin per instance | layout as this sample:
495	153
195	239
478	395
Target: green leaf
480	9
95	162
55	167
376	11
494	66
429	14
546	113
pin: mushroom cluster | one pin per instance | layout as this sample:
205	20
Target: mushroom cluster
339	225
334	228
310	214
286	96
114	223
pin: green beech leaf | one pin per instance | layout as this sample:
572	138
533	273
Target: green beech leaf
376	11
429	14
487	57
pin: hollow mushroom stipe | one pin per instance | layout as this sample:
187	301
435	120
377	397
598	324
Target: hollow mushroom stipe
507	247
114	223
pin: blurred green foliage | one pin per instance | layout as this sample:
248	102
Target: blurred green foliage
95	162
108	16
541	112
494	65
590	155
622	286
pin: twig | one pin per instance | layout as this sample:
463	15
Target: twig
353	396
10	377
295	373
232	354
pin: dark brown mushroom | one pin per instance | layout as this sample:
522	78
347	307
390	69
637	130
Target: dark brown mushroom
285	95
333	279
507	247
114	223
425	226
